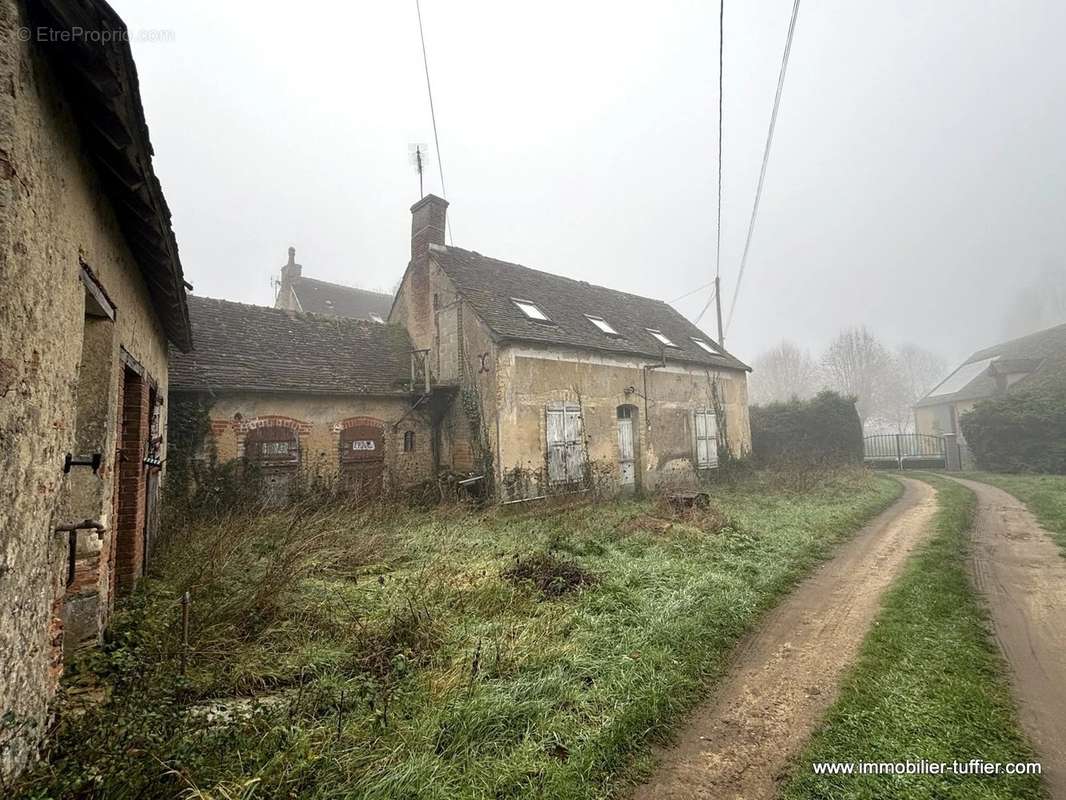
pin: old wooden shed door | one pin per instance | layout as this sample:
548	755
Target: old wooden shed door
625	445
275	450
363	458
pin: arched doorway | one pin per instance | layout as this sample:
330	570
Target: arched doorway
362	454
275	451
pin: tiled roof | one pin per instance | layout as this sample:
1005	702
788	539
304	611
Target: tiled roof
491	286
240	346
1034	353
321	297
100	82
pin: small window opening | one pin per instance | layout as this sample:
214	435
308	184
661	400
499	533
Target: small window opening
409	441
531	310
603	325
661	337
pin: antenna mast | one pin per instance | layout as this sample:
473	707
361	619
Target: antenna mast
418	161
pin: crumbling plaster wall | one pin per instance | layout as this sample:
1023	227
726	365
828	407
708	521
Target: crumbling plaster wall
52	215
531	377
319	418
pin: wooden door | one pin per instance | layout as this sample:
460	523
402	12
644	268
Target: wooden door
363	459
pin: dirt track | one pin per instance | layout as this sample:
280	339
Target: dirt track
1022	574
785	675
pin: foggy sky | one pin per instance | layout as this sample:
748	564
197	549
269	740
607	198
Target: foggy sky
918	173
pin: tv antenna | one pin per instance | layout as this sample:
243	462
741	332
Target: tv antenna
417	155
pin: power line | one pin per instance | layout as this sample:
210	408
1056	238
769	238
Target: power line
718	226
694	291
721	82
714	294
765	158
433	115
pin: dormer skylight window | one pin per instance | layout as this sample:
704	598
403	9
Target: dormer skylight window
531	310
706	346
661	337
603	325
376	318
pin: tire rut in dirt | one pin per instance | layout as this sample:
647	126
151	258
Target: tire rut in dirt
1021	574
785	675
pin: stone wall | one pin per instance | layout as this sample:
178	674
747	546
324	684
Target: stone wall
318	422
664	400
53	219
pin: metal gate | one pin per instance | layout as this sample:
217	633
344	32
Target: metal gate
905	451
363	459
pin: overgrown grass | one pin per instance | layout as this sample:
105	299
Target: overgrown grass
366	653
1045	495
928	685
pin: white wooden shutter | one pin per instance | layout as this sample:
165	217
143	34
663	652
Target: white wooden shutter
556	441
706	440
575	443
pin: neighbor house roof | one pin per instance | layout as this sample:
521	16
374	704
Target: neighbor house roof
975	378
321	297
244	347
100	81
492	287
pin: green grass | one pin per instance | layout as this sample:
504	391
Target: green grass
929	684
399	661
1045	495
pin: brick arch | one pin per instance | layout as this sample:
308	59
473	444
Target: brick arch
244	426
352	422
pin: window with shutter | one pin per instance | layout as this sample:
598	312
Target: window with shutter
706	439
566	445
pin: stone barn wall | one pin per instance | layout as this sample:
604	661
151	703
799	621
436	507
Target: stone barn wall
318	421
61	376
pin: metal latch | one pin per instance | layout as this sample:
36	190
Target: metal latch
93	460
71	529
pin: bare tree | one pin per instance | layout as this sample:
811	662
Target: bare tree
1041	304
914	371
782	373
857	365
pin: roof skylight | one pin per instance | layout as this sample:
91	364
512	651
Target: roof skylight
706	346
661	337
603	325
376	318
531	310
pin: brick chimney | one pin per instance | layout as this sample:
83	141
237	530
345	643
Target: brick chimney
289	273
428	218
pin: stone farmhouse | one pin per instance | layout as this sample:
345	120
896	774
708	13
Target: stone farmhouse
93	296
519	382
297	293
988	373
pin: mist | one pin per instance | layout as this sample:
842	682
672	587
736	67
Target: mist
915	185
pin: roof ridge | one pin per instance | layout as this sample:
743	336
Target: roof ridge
446	248
341	286
288	312
977	355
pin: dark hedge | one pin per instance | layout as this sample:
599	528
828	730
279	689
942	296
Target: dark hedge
823	430
1022	431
